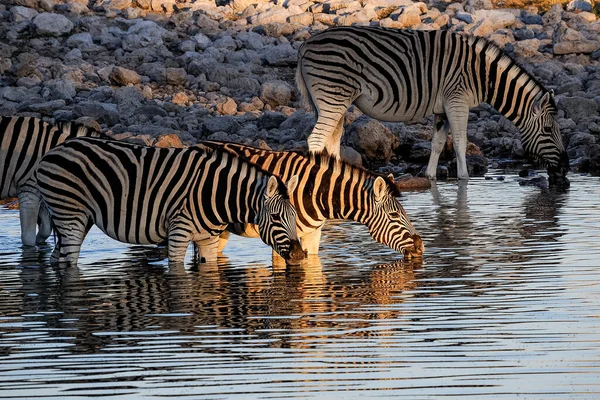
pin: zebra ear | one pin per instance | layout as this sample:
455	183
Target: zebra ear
391	176
271	186
379	188
292	184
545	102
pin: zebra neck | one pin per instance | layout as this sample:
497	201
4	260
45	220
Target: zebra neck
510	89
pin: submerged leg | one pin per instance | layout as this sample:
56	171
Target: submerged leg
71	232
223	239
458	116
29	206
441	128
208	249
44	224
311	241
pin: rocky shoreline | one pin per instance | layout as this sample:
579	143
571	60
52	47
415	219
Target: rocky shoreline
170	73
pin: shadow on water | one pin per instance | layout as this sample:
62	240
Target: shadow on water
493	308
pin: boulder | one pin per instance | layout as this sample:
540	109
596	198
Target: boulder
143	34
276	93
170	140
20	13
579	5
553	16
487	21
102	112
576	46
51	24
60	89
526	48
373	139
350	155
176	76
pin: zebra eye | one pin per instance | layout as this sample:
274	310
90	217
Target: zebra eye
276	217
394	215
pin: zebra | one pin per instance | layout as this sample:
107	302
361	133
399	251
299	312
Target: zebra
144	195
405	75
330	188
23	141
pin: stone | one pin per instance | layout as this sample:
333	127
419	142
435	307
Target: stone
60	89
413	183
276	93
270	120
532	19
102	112
488	21
350	155
47	5
526	48
579	5
20	13
170	140
156	71
577	46
29	81
48	107
180	98
220	124
464	17
304	19
473	5
373	139
202	41
283	55
82	41
176	76
124	76
578	107
51	24
228	107
143	34
272	15
553	16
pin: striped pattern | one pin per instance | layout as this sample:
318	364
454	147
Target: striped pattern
23	141
144	195
331	189
405	75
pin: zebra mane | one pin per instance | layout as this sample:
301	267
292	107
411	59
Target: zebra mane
491	48
343	167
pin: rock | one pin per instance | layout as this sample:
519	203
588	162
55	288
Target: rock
464	17
553	16
371	138
129	99
176	76
271	120
473	5
114	4
531	19
202	41
47	5
417	183
272	15
19	13
276	93
408	20
282	55
16	94
46	108
526	48
350	155
163	5
82	41
170	140
301	121
579	5
228	107
102	112
539	181
60	89
29	81
578	107
143	34
577	46
476	166
220	124
124	76
156	71
51	24
487	21
420	152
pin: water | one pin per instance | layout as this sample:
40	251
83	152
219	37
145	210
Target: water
506	302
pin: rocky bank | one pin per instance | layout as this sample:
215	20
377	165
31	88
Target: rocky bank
173	72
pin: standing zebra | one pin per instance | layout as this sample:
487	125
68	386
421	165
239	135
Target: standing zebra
143	195
23	141
329	188
405	75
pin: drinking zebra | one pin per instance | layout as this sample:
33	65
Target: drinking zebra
405	75
329	188
23	141
143	195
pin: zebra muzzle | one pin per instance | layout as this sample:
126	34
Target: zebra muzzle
296	254
416	250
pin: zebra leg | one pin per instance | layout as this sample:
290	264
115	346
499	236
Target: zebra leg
310	242
208	249
223	239
438	141
29	206
179	239
458	116
327	133
70	232
45	225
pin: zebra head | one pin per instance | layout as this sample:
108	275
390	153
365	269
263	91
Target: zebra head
276	220
388	222
542	138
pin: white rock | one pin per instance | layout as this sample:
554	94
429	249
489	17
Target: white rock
19	13
487	21
527	48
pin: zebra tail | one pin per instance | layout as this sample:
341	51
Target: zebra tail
305	96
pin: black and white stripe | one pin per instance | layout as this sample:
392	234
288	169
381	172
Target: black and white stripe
405	75
144	195
332	189
23	141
